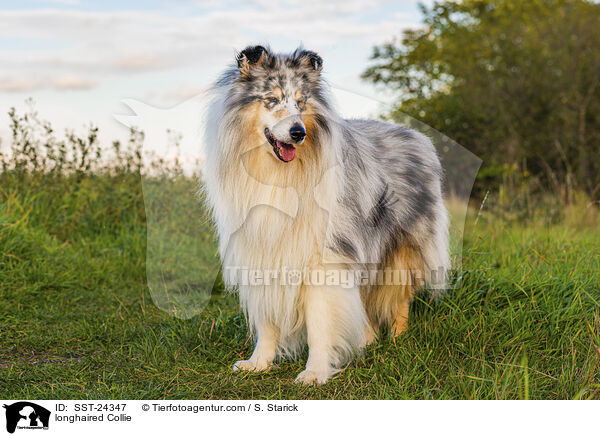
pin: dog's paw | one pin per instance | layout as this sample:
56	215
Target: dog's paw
311	377
371	335
250	365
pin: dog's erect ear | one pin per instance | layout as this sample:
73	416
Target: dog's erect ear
311	60
251	57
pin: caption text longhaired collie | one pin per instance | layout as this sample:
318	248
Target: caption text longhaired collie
351	196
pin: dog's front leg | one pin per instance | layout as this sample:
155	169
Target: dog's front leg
319	335
264	352
335	325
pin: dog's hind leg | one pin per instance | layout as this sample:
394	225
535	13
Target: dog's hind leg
410	261
370	333
388	303
400	324
264	352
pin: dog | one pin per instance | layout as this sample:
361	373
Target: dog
294	187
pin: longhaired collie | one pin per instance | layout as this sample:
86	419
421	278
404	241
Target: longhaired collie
326	226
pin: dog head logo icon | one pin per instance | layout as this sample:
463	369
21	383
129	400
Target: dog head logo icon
26	415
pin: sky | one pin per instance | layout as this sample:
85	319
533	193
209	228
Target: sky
79	60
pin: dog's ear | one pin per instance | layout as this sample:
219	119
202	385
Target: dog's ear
311	60
251	57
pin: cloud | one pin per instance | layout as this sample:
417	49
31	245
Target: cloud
19	85
184	92
62	82
70	81
136	62
117	42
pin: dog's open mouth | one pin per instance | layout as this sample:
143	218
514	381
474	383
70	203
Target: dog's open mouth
285	152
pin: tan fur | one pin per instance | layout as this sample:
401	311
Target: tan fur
277	93
304	172
309	122
388	304
245	66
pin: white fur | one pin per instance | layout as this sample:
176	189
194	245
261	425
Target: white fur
269	227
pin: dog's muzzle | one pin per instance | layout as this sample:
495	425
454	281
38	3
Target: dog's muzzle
285	152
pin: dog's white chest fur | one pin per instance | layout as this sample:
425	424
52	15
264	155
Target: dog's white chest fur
269	238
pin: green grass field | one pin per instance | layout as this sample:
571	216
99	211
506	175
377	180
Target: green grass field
77	320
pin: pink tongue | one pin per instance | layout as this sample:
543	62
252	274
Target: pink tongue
287	152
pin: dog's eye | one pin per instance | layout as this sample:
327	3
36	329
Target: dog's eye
301	103
271	101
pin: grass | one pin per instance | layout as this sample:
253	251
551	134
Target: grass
77	320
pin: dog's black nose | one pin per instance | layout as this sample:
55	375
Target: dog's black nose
297	132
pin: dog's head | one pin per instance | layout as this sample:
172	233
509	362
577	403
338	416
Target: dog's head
282	99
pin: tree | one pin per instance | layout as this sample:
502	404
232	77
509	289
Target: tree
516	82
